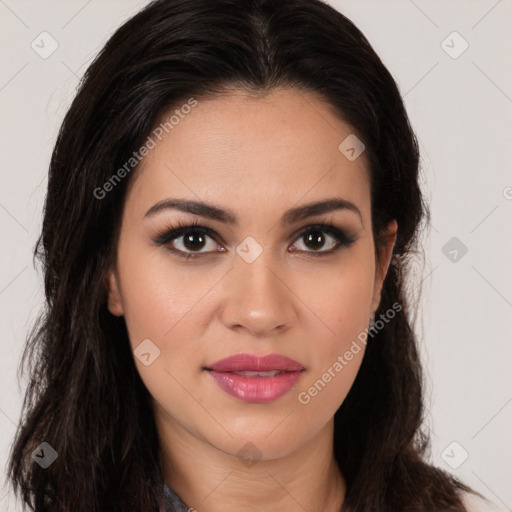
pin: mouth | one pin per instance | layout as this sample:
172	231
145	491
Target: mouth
256	379
248	373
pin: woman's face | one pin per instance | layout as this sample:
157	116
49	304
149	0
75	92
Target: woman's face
263	279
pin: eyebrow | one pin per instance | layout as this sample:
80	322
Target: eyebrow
228	216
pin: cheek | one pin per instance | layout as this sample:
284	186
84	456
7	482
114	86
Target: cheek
162	303
157	293
341	294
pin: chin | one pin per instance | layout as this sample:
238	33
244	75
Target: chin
270	440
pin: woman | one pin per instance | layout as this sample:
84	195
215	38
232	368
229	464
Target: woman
232	204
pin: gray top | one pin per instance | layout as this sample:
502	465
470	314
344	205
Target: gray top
173	503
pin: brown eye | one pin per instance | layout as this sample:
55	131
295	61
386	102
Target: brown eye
323	239
314	240
189	241
194	241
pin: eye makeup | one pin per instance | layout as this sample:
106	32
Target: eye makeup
171	233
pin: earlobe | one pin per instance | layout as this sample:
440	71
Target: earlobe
382	265
114	302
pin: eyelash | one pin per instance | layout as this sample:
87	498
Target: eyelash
171	233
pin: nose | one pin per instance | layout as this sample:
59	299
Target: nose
259	298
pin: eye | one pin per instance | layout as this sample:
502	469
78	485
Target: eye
317	237
189	240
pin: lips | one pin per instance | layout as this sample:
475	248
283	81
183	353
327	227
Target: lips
253	363
256	379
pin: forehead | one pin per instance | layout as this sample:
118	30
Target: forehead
266	152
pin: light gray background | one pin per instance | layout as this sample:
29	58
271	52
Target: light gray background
461	110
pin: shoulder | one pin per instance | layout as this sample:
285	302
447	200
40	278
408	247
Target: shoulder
474	503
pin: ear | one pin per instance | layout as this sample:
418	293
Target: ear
114	303
382	264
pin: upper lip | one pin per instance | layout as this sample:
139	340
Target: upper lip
255	363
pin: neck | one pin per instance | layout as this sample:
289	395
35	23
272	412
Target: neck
210	480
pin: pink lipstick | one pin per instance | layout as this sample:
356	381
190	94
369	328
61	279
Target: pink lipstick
256	379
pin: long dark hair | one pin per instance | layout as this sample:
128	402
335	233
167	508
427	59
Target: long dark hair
85	397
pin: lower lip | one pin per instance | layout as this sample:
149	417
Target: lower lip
256	390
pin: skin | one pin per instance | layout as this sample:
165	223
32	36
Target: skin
257	156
